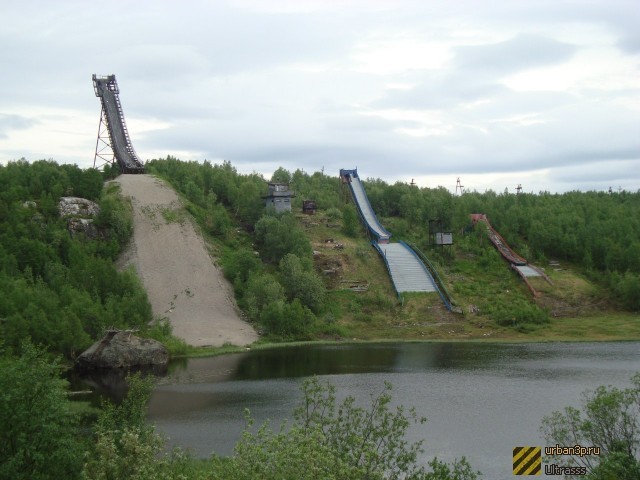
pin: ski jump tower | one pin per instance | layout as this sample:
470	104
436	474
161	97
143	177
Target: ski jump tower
113	143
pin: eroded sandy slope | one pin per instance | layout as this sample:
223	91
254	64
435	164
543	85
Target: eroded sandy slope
181	280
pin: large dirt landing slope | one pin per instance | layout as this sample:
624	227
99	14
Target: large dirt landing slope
173	263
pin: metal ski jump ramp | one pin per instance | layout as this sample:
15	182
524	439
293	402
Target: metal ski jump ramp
408	273
106	88
520	265
364	207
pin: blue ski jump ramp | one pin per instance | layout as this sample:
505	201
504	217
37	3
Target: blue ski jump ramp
408	273
367	214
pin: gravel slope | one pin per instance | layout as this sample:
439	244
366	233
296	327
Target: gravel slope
174	265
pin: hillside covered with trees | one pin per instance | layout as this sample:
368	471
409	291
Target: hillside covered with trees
62	290
283	278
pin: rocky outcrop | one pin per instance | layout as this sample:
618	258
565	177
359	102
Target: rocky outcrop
83	226
77	207
77	210
123	349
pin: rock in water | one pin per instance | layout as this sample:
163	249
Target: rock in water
122	349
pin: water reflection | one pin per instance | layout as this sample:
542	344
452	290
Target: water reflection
481	399
307	360
109	383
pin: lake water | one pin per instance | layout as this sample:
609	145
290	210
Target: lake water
481	400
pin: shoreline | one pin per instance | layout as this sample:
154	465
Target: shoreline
204	352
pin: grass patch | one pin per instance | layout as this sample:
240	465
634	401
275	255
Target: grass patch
173	215
161	331
606	326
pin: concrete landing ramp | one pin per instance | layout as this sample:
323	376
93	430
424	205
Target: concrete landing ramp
527	271
408	273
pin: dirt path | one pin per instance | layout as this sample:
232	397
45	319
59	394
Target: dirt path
172	260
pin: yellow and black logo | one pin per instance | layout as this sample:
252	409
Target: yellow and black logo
527	461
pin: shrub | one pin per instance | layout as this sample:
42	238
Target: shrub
332	441
261	289
609	419
518	312
38	432
334	214
304	285
287	320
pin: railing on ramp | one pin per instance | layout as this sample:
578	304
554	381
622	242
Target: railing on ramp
106	88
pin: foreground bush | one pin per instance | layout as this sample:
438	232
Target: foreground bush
329	441
38	430
40	437
609	419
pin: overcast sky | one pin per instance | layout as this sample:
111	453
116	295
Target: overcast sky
543	93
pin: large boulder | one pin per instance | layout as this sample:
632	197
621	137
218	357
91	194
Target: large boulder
122	349
77	207
84	227
77	210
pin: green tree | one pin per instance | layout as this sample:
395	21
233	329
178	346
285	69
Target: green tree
302	283
238	264
287	320
281	175
330	441
288	454
278	235
261	290
127	448
38	431
349	221
116	217
217	220
609	419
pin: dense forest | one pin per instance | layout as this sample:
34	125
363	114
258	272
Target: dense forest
60	290
600	232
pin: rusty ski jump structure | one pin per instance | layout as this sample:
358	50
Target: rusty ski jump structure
520	265
113	143
406	267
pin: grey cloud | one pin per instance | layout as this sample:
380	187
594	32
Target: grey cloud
611	171
352	123
519	53
440	91
14	122
453	91
630	43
